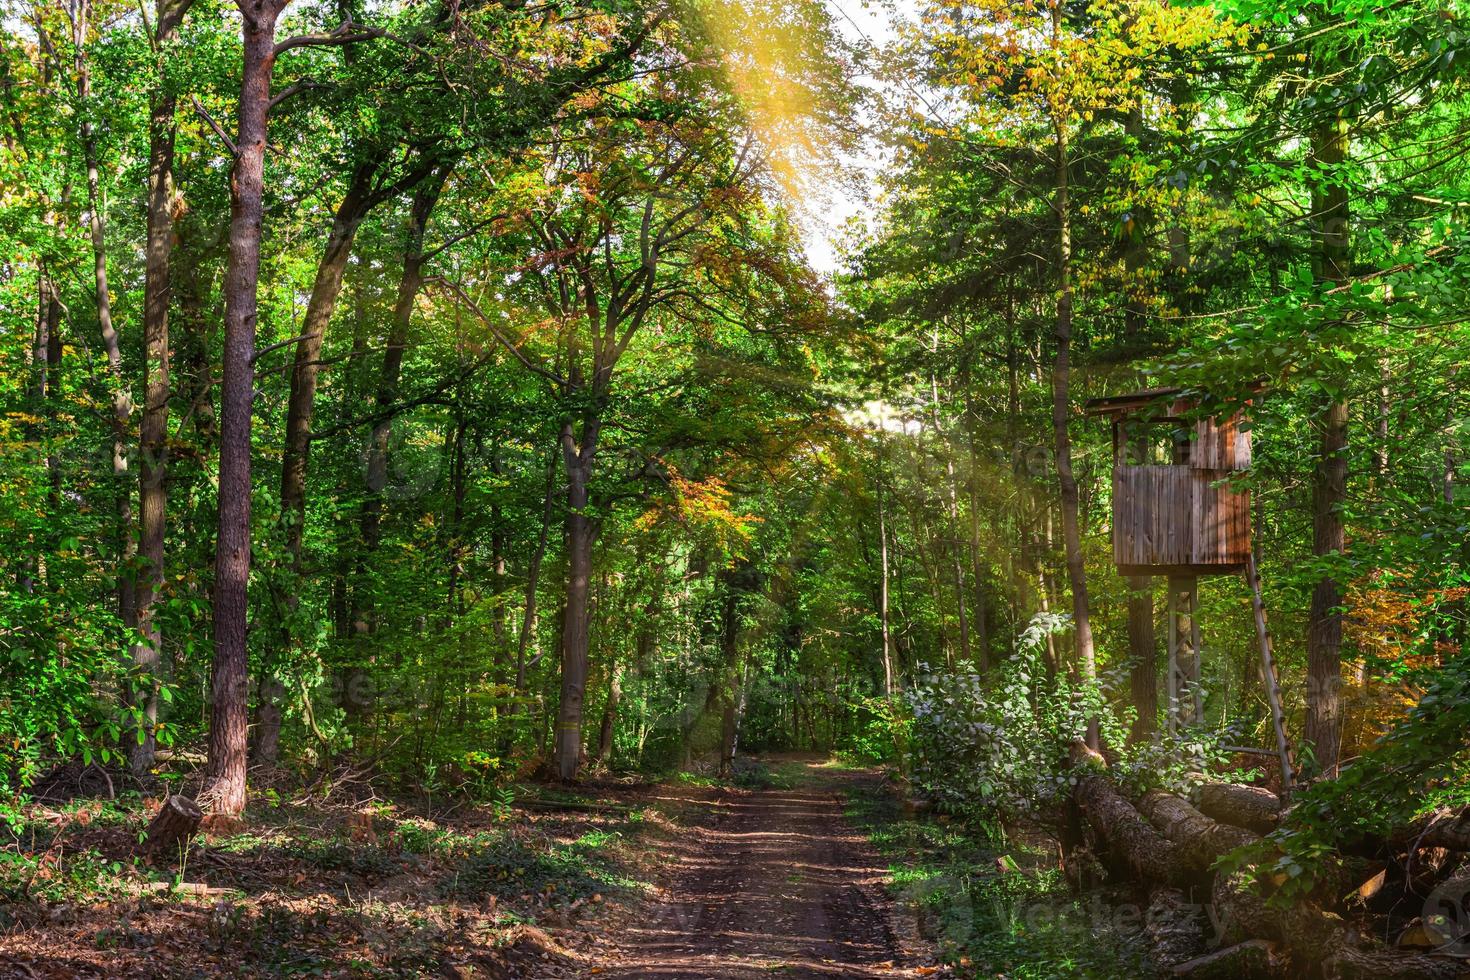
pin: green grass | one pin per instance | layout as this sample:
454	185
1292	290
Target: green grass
1023	923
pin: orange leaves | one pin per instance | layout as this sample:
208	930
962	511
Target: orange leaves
704	506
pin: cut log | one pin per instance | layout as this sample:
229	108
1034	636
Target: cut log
1255	959
1132	841
1314	936
1251	807
1350	963
1174	926
1447	828
177	820
1199	840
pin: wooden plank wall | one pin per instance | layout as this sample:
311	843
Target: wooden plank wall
1220	445
1172	516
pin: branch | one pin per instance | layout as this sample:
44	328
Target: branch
218	129
457	292
293	89
273	347
344	33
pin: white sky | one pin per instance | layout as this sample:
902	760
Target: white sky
833	203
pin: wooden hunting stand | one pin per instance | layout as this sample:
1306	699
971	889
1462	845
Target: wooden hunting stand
1175	514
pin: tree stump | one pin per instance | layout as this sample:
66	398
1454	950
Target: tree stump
176	821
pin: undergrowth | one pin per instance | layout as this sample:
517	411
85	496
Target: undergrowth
996	907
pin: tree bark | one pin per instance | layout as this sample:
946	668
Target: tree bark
153	431
1198	839
1251	807
533	578
306	368
578	456
122	400
169	831
610	714
1062	408
1143	674
1329	491
411	280
225	775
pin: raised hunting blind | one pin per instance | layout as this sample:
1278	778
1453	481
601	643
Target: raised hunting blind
1179	512
1174	510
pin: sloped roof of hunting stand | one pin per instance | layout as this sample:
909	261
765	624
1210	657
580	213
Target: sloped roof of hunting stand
1180	517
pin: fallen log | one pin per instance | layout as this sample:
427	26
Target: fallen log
1251	807
1174	927
1199	841
1131	840
1314	936
176	821
1449	829
1254	959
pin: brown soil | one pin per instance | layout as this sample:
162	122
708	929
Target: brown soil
772	880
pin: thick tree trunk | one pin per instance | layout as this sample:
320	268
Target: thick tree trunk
225	776
1329	494
1143	674
578	456
1199	841
1133	843
153	432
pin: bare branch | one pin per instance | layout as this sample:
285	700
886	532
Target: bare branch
456	292
344	33
293	89
214	125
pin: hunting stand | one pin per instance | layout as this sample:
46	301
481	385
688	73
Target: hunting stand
1176	515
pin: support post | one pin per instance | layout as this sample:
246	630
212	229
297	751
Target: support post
1186	705
1269	677
1171	712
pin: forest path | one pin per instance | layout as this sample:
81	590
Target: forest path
775	881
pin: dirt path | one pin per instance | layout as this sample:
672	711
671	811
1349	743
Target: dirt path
775	880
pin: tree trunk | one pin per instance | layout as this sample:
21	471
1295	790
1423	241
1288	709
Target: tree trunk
153	433
122	401
225	775
578	458
1198	839
305	370
883	623
300	408
1143	675
957	567
1142	645
1329	492
1251	807
533	578
410	282
1061	412
610	714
